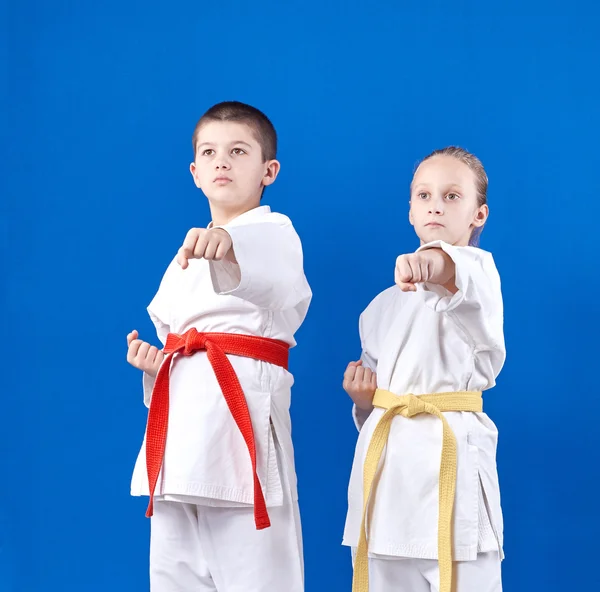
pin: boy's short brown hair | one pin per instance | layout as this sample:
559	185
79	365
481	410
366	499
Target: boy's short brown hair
259	123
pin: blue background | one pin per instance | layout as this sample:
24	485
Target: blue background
99	103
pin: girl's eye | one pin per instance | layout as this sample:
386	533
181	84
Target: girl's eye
208	152
238	151
452	197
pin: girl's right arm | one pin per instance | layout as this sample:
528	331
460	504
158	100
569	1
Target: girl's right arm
360	378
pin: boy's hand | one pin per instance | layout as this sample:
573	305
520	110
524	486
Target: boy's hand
431	265
142	355
213	245
360	383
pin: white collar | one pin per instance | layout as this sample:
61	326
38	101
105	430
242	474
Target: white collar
257	212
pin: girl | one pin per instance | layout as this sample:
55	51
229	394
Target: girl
430	346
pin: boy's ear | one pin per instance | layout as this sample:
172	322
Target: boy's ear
193	171
272	170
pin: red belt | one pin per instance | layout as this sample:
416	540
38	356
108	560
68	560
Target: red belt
216	345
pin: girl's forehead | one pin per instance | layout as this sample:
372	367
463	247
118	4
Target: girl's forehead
445	170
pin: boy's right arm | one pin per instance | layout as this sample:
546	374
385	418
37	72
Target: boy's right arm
143	356
148	359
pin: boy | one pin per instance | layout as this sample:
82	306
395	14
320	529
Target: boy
226	514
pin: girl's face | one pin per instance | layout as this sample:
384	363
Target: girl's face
443	201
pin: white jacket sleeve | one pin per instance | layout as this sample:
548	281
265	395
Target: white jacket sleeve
148	381
369	360
158	310
269	270
477	306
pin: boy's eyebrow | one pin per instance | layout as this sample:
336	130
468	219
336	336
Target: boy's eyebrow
235	142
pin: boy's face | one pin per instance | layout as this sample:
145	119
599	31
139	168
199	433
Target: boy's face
443	201
229	167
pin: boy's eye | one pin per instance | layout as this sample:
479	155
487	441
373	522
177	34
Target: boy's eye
452	196
423	195
238	151
208	152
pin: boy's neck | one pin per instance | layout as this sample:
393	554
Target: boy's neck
222	216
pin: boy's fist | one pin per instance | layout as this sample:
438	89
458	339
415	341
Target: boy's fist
360	383
431	265
142	355
213	245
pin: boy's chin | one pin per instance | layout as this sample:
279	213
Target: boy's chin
223	196
231	199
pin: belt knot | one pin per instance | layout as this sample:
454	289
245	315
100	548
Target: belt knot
194	341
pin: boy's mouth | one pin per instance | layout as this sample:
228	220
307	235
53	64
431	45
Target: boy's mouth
222	180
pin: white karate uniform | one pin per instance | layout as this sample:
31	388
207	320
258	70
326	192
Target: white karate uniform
432	341
395	574
206	461
214	549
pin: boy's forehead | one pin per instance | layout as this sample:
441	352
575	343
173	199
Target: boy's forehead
218	132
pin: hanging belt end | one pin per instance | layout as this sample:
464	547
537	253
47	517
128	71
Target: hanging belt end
262	523
150	510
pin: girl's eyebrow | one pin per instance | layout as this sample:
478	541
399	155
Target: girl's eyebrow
454	187
451	187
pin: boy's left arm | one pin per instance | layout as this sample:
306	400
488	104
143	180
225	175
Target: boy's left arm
264	266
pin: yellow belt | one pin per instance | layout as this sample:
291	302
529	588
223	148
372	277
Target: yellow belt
409	406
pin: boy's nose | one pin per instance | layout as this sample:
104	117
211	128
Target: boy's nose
223	164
